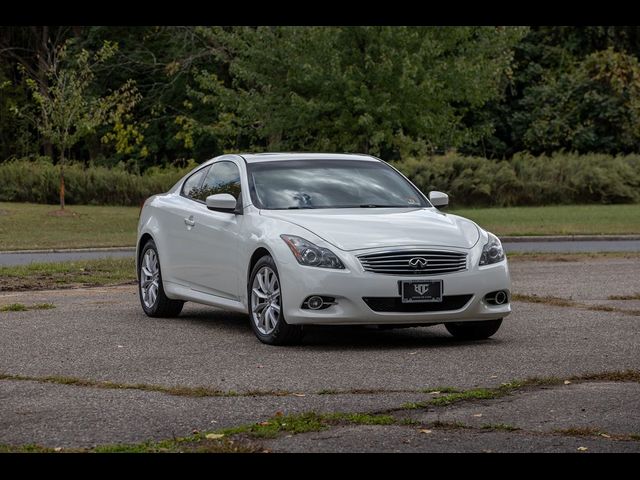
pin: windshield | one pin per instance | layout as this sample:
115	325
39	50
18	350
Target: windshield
297	184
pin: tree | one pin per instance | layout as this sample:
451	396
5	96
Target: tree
32	49
389	91
594	106
544	60
67	110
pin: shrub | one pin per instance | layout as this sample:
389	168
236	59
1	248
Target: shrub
562	178
38	182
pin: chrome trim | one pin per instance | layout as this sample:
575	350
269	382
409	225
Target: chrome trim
397	262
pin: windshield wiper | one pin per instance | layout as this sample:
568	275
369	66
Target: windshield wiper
298	207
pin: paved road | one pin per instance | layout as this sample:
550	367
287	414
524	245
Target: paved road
26	258
100	334
575	246
537	246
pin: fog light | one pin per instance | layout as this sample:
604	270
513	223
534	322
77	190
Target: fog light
315	302
499	297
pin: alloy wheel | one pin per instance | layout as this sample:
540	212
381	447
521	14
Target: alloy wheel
265	300
149	278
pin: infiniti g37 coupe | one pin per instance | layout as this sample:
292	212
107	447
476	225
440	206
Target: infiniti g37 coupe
302	239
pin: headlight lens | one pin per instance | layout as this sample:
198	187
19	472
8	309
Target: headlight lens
311	255
492	252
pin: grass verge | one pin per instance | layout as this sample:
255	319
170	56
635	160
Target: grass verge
42	276
557	219
22	226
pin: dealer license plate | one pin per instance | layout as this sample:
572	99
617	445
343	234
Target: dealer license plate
417	291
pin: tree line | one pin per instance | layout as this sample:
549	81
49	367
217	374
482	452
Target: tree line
152	96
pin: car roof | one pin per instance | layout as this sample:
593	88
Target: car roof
278	156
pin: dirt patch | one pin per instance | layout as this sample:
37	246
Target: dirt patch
63	213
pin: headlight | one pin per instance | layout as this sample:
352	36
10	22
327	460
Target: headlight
492	252
310	254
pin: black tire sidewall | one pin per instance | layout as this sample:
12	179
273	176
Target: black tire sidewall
475	330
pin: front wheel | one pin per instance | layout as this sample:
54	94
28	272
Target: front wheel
154	301
473	330
265	306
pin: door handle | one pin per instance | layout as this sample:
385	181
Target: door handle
190	221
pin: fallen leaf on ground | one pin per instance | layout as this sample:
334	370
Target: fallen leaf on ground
278	414
493	376
477	414
424	430
412	353
436	392
264	423
214	436
299	395
57	449
567	382
582	449
605	435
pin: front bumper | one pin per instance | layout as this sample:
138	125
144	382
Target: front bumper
349	286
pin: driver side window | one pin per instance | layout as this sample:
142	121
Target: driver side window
191	186
223	177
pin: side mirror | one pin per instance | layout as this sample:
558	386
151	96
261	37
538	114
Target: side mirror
222	202
438	199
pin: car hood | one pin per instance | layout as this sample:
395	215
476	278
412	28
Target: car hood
359	228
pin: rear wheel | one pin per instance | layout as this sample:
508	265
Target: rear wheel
154	301
473	330
265	306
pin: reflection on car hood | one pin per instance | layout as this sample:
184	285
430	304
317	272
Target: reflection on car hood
361	228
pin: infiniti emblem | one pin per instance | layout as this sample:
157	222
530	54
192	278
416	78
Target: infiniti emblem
418	262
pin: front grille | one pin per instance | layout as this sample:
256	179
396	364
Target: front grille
394	304
414	262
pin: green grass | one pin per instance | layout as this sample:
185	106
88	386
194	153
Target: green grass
26	226
513	386
39	276
20	307
13	307
307	422
557	220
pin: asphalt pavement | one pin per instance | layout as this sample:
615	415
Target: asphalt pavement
22	258
101	334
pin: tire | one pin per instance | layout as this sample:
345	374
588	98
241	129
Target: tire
473	330
149	271
265	312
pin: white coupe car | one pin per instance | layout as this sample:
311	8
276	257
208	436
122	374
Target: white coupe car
298	239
